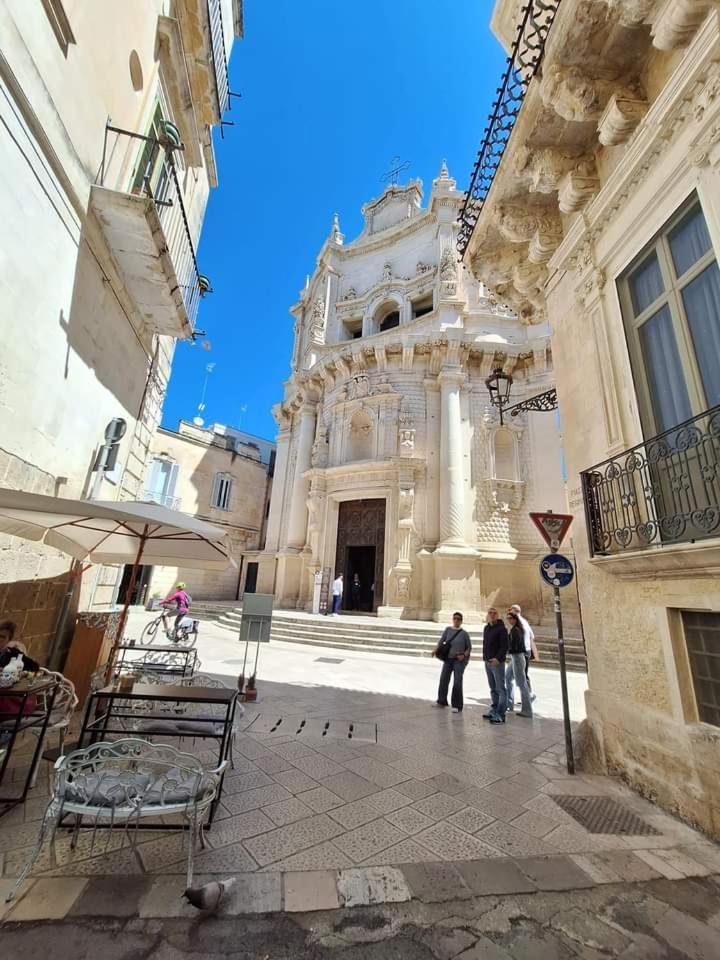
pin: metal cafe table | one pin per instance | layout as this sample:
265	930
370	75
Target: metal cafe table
35	700
172	659
173	711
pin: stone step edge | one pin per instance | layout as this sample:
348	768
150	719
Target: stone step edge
545	647
574	662
331	889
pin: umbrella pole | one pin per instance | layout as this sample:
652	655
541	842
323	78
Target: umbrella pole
123	616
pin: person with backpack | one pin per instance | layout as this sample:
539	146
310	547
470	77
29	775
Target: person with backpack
454	650
182	600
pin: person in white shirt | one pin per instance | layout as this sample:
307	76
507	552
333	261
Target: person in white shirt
337	593
530	653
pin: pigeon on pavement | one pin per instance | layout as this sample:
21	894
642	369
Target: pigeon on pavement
209	896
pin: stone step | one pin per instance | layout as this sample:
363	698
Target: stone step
576	664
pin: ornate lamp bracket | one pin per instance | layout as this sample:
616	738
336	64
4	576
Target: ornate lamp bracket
542	402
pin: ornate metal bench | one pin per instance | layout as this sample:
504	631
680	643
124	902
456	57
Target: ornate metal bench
119	784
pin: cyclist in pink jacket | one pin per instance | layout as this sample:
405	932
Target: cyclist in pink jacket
182	600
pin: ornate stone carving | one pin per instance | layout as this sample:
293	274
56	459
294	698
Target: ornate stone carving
402	587
529	280
619	119
574	95
631	13
448	265
708	95
421	268
543	168
542	231
387	273
677	21
319	456
351	294
406	431
577	187
701	151
317	321
358	387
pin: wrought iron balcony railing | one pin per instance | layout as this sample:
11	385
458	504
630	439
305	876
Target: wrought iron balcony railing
522	65
219	59
663	491
162	499
154	174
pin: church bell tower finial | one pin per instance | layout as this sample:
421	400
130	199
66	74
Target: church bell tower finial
335	235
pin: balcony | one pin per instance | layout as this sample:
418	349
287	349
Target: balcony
162	499
207	28
661	493
147	231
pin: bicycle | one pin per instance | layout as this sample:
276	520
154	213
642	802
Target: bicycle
187	632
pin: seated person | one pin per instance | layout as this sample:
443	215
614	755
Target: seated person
10	647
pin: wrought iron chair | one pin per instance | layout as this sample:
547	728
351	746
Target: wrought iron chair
62	712
121	783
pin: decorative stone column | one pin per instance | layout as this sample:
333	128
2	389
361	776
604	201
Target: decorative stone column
432	458
272	536
297	521
452	495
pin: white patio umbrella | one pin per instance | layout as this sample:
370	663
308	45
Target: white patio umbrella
115	532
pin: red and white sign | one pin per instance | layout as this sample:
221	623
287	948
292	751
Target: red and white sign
552	527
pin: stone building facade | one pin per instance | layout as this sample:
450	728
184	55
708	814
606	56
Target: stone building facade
107	160
391	462
217	474
604	218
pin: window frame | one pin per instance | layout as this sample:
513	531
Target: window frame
225	502
698	714
60	24
674	285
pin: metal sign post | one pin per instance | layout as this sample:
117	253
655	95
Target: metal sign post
557	571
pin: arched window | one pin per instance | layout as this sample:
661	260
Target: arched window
362	436
387	316
505	455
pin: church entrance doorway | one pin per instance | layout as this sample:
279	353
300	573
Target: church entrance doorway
361	549
361	563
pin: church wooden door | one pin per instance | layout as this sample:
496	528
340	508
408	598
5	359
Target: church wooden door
361	523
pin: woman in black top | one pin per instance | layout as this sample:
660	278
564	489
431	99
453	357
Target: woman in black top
516	663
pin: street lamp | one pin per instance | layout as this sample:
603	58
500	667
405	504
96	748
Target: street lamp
499	384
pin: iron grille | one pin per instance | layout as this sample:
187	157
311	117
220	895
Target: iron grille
217	51
604	815
662	491
522	65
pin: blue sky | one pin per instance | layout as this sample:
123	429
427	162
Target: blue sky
331	91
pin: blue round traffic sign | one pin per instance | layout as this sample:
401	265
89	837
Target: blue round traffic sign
556	570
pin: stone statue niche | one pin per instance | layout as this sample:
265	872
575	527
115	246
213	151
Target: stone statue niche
361	439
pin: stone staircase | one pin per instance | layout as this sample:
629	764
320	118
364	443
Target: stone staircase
215	610
413	640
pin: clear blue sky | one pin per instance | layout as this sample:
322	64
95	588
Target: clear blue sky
331	90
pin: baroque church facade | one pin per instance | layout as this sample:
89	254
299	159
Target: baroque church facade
392	464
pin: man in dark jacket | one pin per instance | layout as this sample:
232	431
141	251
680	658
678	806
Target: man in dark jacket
456	642
495	645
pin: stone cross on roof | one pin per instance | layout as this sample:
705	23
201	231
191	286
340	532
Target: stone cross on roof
396	168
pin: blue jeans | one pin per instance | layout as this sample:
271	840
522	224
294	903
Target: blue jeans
336	603
496	682
454	669
516	674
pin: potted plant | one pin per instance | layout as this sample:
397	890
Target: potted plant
154	601
204	284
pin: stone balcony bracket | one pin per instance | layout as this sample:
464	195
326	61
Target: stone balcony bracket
620	118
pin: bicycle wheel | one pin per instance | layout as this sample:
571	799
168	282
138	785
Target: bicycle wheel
148	634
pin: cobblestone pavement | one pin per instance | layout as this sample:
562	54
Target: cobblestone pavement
658	920
408	785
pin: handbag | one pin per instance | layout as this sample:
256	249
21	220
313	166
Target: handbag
443	648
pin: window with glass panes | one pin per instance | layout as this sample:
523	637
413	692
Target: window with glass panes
222	489
702	637
671	306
